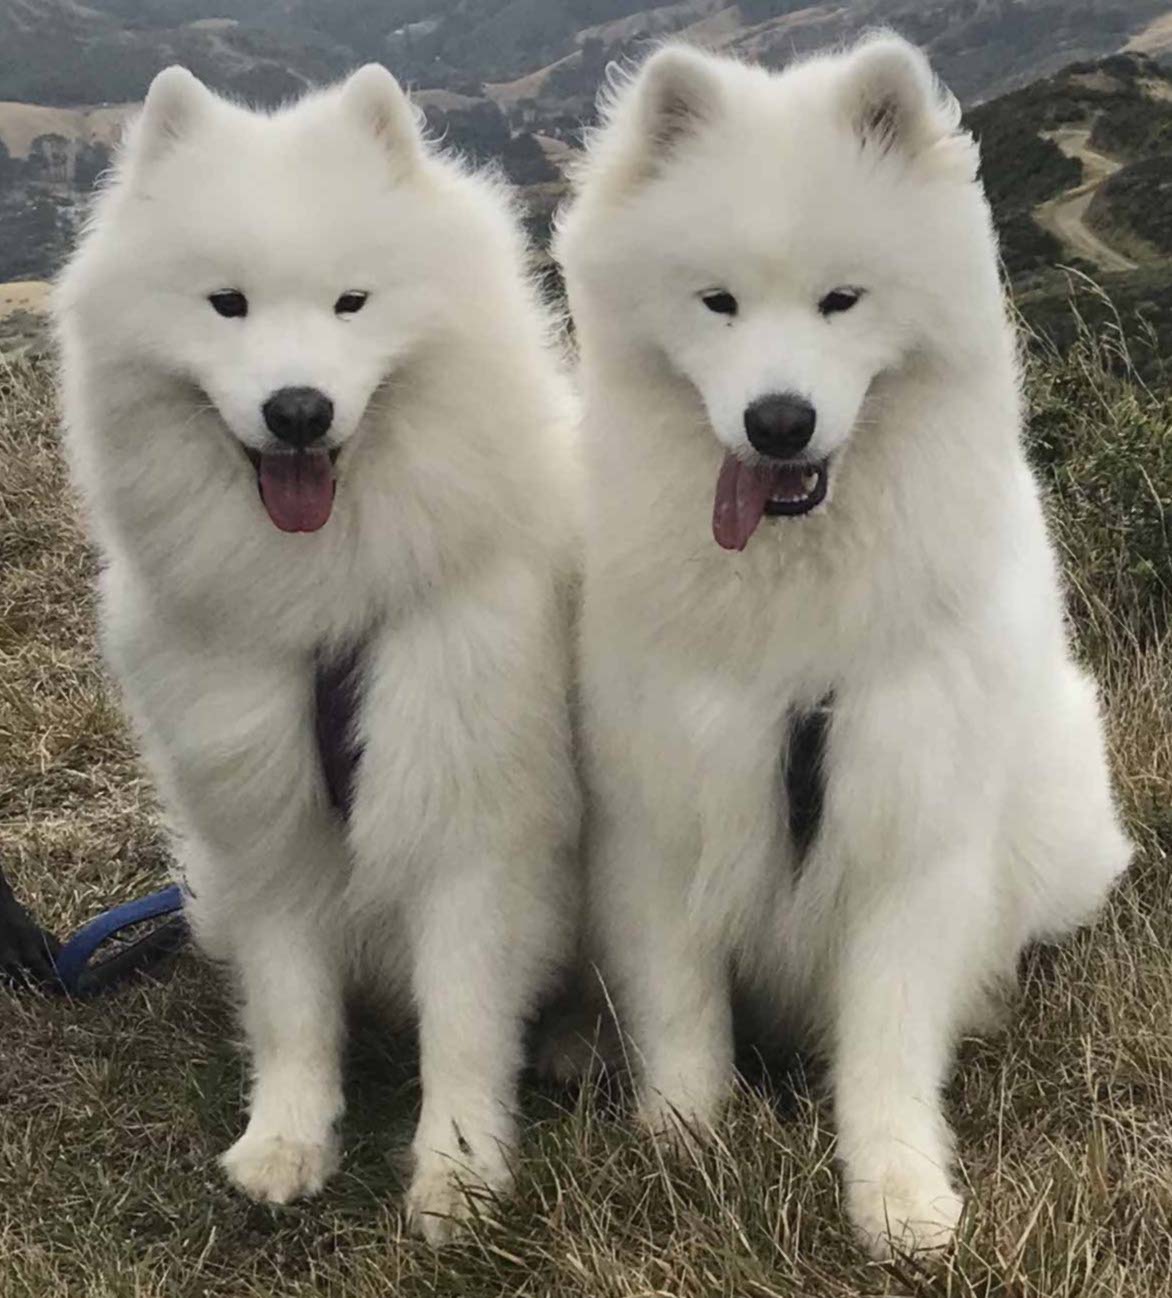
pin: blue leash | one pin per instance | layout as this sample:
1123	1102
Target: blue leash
78	977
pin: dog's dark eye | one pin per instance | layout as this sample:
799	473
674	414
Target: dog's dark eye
229	302
720	301
839	299
350	302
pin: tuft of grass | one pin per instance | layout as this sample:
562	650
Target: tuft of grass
112	1112
1101	439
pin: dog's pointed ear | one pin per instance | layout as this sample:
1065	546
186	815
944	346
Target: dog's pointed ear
377	102
892	99
676	94
174	104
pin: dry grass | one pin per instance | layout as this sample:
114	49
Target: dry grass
111	1113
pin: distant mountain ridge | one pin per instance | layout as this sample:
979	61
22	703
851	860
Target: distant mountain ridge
65	52
1036	140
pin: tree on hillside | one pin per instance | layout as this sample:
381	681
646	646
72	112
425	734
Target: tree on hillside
91	161
9	167
50	158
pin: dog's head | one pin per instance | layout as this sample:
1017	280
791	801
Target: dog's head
279	266
779	240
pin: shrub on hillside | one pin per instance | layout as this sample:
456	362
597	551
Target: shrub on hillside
1020	169
1138	200
1134	128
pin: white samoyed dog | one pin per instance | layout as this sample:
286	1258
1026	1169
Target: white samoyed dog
324	445
806	482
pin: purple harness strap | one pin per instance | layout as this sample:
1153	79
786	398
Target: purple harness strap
336	687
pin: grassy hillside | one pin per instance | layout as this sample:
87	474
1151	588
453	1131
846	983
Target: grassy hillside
113	1111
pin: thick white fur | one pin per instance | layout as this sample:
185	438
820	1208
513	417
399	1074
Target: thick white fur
448	545
968	808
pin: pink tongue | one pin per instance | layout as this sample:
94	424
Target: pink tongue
742	492
297	488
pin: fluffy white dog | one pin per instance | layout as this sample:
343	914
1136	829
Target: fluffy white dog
322	441
806	481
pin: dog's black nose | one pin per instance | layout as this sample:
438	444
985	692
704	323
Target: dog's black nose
779	425
299	416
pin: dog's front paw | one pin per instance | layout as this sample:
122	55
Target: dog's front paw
681	1124
444	1193
273	1169
904	1212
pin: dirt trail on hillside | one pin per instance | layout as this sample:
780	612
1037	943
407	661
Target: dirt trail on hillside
1065	216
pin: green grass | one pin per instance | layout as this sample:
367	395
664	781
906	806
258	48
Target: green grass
112	1112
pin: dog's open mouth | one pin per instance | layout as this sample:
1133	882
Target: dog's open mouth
296	487
745	493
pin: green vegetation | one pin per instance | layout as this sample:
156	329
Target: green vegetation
1120	106
40	203
1134	207
1128	122
38	230
1136	307
1102	439
114	1111
1020	168
1133	128
481	132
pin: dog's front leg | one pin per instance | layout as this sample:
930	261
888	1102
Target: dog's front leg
911	951
466	782
230	741
293	1017
669	980
684	809
474	980
682	1004
894	1028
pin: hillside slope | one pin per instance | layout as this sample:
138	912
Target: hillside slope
65	52
1066	216
1078	165
1051	153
